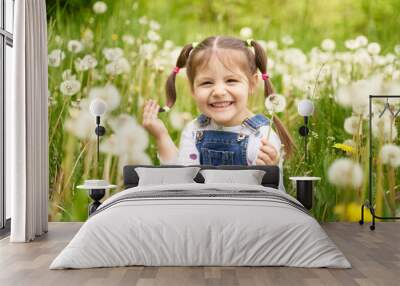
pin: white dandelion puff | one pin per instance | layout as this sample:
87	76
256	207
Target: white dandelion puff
154	25
74	46
55	57
109	94
143	20
384	127
111	54
328	45
99	7
362	41
345	173
147	50
70	87
129	141
153	36
351	44
352	125
80	122
275	103
356	94
390	154
374	48
362	57
118	66
88	62
246	32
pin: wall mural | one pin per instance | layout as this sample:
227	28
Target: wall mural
122	52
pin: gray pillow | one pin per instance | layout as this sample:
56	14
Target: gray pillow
250	177
163	176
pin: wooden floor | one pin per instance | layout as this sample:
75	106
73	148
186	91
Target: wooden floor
374	255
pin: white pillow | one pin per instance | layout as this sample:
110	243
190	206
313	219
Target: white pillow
250	177
164	176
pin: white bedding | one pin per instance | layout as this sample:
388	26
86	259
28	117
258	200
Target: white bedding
181	231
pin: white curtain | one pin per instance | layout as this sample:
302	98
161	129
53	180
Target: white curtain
27	124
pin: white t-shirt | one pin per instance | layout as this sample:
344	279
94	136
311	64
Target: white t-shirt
189	155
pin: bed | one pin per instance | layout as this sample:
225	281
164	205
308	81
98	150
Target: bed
204	222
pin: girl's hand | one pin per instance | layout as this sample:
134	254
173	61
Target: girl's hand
267	154
151	121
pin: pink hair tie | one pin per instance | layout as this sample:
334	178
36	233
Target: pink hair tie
176	69
265	76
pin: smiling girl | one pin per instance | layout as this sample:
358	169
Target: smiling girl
222	72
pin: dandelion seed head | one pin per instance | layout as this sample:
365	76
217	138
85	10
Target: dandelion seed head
384	127
143	20
374	48
328	45
154	25
111	54
246	32
118	66
75	46
99	7
88	62
55	57
153	36
362	41
352	125
390	155
70	87
80	122
109	94
275	103
351	44
345	173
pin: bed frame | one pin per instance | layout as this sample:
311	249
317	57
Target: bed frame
270	179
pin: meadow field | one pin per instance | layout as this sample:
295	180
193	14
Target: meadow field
335	53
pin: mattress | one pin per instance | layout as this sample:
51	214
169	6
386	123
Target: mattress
201	225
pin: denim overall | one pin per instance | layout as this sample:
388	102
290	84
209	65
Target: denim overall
224	147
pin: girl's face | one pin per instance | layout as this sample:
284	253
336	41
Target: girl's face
222	93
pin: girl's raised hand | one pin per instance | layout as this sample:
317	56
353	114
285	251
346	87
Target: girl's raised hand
151	121
267	155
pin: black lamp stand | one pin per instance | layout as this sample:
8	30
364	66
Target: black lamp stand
100	131
303	130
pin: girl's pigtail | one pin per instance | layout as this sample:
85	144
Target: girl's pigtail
261	63
170	84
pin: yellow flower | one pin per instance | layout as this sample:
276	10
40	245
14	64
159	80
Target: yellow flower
352	212
114	37
344	147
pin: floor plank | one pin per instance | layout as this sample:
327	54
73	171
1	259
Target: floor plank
374	255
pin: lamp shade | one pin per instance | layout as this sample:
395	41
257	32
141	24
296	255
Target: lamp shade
98	107
305	107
